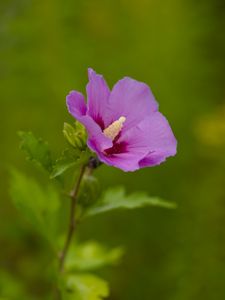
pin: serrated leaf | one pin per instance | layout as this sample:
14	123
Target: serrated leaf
36	149
85	287
70	158
40	206
91	256
116	198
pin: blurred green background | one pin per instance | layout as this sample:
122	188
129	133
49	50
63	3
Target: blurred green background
178	48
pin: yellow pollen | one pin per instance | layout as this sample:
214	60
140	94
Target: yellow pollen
113	130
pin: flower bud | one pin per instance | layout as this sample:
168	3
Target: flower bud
76	136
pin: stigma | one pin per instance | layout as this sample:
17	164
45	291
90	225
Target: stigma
114	129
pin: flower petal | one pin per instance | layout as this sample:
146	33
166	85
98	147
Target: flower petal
76	104
98	95
77	108
153	159
153	134
97	141
131	99
128	161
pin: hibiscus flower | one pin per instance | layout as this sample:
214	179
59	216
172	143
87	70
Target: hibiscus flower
125	128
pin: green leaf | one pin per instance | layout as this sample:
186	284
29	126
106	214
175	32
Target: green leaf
40	206
69	158
92	255
85	287
11	287
36	149
115	198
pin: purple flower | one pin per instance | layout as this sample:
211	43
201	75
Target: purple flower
124	126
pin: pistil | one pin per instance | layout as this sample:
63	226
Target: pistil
114	129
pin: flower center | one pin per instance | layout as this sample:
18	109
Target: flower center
114	129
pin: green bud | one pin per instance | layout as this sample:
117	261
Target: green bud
89	192
76	136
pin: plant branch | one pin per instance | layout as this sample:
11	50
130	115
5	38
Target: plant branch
72	222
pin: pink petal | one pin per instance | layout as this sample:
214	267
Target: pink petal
76	104
131	99
153	134
77	108
98	95
95	134
128	161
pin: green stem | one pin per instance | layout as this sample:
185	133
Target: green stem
72	222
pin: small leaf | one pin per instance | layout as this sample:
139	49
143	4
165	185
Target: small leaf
116	198
84	287
70	158
67	160
40	206
92	255
36	149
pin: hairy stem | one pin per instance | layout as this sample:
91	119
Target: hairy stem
72	222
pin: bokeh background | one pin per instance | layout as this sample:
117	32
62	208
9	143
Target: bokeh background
178	48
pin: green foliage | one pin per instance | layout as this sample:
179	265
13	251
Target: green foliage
89	191
77	154
84	287
77	136
40	206
67	160
70	158
91	256
10	287
116	198
36	149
